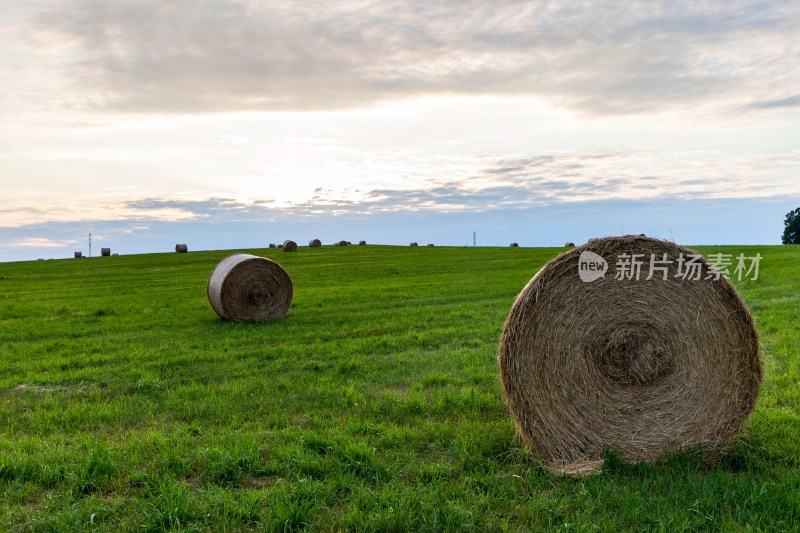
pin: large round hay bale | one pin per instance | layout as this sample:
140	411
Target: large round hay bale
315	243
413	244
514	245
246	288
591	359
289	246
181	248
105	252
362	243
78	255
341	243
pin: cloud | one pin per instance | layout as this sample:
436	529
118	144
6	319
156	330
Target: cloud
600	58
38	242
791	101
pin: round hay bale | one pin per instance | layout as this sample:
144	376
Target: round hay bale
413	244
569	245
362	243
280	247
289	246
105	252
640	366
514	245
246	288
272	245
78	255
430	244
341	243
181	248
315	243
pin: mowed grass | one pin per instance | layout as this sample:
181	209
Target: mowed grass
126	404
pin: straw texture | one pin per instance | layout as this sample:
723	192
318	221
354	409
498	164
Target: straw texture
245	288
289	246
181	248
315	243
644	367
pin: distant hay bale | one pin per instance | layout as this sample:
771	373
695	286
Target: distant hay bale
362	243
115	254
349	243
289	246
569	245
642	367
246	288
430	244
105	252
514	245
272	245
413	244
315	243
181	248
78	254
341	243
280	247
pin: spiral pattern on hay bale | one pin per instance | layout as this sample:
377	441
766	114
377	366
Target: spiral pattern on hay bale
247	288
181	248
641	366
315	243
289	246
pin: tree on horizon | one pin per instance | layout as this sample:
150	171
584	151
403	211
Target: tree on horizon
791	232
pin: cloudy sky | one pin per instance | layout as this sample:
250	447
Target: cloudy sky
236	123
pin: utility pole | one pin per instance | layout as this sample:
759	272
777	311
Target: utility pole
90	245
474	238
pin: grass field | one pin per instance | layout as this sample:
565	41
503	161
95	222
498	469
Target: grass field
126	404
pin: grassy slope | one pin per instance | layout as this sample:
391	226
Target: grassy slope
126	404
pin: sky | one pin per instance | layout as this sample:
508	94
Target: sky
229	124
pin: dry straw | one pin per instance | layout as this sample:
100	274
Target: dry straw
315	243
181	248
289	246
246	288
644	367
105	252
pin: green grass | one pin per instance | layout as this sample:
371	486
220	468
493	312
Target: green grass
125	404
